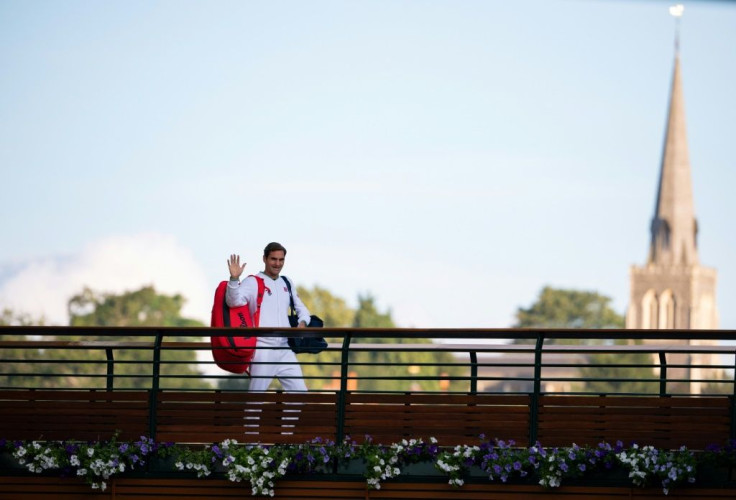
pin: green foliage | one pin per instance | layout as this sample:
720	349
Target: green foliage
145	308
142	307
613	377
333	310
398	371
262	465
557	308
8	317
86	368
21	357
368	316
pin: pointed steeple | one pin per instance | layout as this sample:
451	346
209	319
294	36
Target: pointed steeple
674	228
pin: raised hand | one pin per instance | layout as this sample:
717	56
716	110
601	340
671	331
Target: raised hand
233	264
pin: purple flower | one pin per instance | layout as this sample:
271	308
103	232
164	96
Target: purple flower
123	448
517	465
581	467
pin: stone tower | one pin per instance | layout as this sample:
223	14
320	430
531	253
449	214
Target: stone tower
672	290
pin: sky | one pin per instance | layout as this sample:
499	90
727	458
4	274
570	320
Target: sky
449	158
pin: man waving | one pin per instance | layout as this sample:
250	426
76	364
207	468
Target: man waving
274	313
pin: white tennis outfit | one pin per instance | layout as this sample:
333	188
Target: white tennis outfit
274	313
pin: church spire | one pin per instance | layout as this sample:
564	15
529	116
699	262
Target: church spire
674	228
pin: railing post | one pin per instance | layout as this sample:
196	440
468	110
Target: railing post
473	373
110	369
733	403
662	374
155	383
342	395
534	403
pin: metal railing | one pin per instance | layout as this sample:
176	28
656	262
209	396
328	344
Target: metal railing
697	357
453	361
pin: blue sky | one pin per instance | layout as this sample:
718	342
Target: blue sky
449	157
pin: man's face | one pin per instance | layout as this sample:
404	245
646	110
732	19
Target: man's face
274	262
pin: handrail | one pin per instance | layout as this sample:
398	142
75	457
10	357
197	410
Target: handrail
440	333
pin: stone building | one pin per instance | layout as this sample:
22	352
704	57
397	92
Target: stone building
672	290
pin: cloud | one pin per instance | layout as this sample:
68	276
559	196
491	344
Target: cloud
114	264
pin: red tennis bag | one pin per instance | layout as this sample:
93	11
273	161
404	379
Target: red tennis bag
232	353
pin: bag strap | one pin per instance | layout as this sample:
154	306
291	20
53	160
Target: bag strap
225	309
259	300
292	311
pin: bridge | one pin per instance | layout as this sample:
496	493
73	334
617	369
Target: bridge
459	388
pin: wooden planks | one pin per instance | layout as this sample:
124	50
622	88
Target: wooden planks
451	419
667	422
212	416
80	415
247	417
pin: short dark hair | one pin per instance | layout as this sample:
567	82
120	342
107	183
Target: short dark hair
273	247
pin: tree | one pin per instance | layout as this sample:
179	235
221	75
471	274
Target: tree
142	307
8	317
86	368
398	371
333	310
607	375
19	362
367	315
558	308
